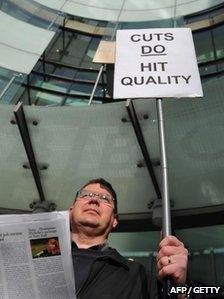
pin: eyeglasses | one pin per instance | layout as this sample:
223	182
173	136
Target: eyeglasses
104	198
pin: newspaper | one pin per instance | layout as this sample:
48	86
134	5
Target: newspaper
35	257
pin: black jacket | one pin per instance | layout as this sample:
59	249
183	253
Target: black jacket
113	277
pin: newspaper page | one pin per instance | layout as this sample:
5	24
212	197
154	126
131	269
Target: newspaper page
35	257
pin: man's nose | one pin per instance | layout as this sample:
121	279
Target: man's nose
95	199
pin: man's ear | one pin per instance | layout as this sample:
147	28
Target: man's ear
70	211
70	217
72	206
115	222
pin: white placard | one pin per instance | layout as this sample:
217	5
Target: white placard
156	63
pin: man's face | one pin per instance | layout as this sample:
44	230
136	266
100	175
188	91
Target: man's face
51	246
91	213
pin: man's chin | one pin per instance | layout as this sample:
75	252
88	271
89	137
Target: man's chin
90	224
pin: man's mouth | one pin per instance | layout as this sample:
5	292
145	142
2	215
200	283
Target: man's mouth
91	210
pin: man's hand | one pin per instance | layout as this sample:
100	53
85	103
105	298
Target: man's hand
172	260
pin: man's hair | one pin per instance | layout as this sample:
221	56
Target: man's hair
106	185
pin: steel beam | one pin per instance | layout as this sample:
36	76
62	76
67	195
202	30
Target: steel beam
24	132
141	141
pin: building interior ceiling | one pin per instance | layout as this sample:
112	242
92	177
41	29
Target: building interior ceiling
129	10
84	142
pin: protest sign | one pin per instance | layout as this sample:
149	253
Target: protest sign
156	63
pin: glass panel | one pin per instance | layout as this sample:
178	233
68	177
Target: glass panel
76	102
80	102
87	76
218	34
44	67
5	76
131	10
78	52
203	46
65	72
10	84
219	258
85	89
65	86
194	148
199	146
11	95
184	8
69	72
54	4
42	98
25	98
74	49
22	45
32	12
45	99
58	46
53	84
90	52
165	23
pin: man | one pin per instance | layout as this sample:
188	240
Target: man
100	271
52	249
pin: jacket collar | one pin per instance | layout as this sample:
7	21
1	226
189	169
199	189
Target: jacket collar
110	254
100	247
114	255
